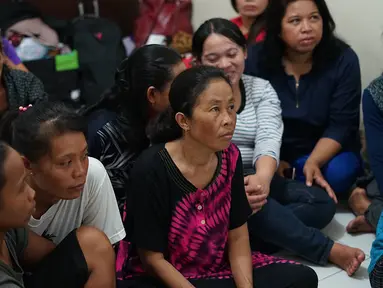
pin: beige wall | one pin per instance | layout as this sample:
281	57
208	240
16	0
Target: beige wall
360	23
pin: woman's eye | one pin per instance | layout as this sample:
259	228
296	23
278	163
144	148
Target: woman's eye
215	109
294	21
65	164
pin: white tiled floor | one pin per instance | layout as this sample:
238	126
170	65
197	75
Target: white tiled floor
331	276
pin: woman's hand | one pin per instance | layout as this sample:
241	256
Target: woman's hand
257	190
283	165
313	173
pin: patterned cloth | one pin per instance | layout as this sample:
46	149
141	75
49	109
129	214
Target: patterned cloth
376	275
190	226
23	88
376	90
108	143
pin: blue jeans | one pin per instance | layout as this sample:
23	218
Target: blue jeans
291	220
340	172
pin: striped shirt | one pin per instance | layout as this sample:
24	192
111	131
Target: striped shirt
259	122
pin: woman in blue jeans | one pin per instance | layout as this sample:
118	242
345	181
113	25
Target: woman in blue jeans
317	78
286	213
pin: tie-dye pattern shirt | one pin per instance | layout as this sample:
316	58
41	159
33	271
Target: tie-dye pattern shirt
190	226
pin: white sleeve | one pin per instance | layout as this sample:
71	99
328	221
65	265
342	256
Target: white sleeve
102	211
268	138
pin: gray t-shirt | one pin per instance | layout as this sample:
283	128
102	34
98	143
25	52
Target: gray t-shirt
12	277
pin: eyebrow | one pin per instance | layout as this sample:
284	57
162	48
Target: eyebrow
216	54
218	101
297	15
215	101
67	155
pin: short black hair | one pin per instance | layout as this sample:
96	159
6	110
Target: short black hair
30	132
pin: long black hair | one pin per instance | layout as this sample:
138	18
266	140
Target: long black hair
183	96
150	65
329	48
219	26
30	132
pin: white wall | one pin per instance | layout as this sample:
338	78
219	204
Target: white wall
359	22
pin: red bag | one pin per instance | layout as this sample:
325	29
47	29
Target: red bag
163	17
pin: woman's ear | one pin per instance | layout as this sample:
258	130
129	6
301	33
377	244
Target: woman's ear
245	53
182	121
151	94
27	164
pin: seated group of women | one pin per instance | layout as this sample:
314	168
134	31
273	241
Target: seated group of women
190	170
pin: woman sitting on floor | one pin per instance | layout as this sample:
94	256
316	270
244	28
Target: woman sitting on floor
84	258
72	189
188	208
279	205
317	78
367	201
117	124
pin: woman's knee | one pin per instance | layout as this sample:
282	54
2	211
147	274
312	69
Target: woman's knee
342	171
95	245
293	275
306	278
326	207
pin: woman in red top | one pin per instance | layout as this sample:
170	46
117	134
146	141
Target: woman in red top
249	11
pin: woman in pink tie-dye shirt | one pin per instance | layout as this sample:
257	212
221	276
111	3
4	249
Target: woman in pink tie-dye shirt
187	208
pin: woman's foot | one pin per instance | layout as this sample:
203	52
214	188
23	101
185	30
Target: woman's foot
347	258
359	201
360	225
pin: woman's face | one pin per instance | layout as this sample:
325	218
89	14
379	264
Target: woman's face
213	119
160	99
221	52
251	8
302	26
17	198
62	172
